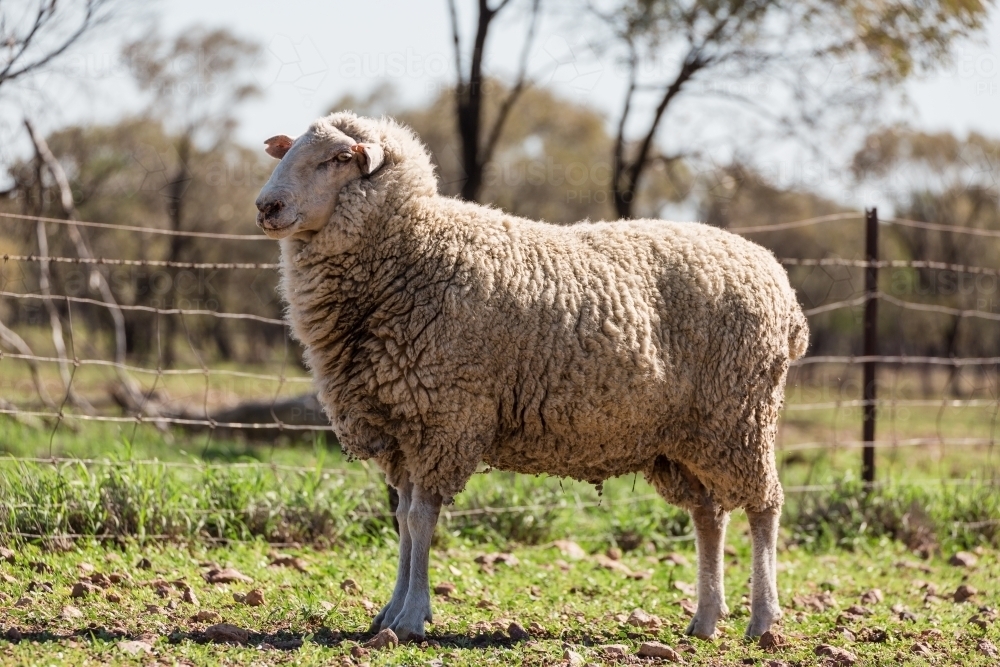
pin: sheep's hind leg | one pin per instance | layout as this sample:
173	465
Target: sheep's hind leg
420	521
710	522
764	607
395	604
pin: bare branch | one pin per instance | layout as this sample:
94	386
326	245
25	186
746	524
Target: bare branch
45	17
453	13
129	385
519	86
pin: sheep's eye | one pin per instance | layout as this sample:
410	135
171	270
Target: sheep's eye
344	157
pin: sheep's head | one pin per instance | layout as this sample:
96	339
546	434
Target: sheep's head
302	193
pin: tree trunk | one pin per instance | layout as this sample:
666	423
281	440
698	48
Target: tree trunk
176	191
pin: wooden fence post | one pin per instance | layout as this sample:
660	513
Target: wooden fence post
870	346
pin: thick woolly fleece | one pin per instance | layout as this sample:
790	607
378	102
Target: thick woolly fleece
444	333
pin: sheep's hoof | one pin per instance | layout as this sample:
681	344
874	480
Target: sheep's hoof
383	620
701	630
409	633
759	626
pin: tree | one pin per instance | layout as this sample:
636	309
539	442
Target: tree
31	40
814	59
550	162
197	81
479	136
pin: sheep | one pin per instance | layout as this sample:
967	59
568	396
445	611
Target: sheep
443	334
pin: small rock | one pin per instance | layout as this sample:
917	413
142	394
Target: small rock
134	647
614	553
190	597
573	659
223	633
350	586
207	616
153	609
570	549
289	561
13	635
254	598
517	632
839	655
818	602
922	649
677	559
641	619
100	580
118	577
977	619
22	602
113	598
964	592
963	559
609	564
658	650
144	564
384	639
8	555
615	651
226	575
987	648
685	588
69	612
85	568
858	610
874	596
873	635
82	589
687	606
844	633
358	651
40	567
445	588
771	640
507	558
536	628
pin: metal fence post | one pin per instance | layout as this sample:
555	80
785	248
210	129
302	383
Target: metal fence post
870	346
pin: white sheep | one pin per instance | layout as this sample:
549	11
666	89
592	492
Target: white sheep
442	334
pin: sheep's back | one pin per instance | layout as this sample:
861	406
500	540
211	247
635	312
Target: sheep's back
623	335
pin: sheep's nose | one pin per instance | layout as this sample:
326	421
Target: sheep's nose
270	208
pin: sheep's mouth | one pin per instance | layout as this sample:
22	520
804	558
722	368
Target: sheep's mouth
274	230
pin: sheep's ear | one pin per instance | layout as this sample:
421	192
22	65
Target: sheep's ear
278	146
371	157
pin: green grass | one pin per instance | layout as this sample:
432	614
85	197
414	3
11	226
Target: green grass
308	619
178	500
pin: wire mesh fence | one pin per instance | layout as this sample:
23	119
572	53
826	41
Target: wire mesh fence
83	347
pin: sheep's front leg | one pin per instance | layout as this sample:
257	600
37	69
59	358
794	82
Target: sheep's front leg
421	519
710	537
764	607
395	604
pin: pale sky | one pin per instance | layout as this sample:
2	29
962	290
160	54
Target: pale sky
317	51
